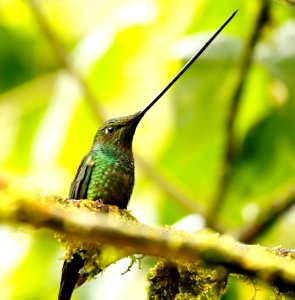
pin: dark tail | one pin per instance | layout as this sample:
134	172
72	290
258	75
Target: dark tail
70	276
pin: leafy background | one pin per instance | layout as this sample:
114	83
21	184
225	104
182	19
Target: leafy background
126	51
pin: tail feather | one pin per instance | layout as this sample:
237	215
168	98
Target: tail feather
70	276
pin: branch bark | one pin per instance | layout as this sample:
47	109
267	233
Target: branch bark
274	266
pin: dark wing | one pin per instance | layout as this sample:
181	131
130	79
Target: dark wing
81	182
70	271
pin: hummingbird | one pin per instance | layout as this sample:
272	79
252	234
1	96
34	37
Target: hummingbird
106	173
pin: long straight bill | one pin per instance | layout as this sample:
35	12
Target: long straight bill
188	64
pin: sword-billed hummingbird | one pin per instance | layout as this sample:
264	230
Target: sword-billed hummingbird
106	173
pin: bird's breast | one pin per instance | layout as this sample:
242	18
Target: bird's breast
112	180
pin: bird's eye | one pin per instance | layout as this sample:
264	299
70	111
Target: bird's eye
110	129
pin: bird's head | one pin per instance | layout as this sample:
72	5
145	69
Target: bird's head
118	131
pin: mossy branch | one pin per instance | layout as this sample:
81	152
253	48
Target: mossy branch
110	226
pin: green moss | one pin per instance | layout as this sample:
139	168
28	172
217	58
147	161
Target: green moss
184	281
163	281
97	256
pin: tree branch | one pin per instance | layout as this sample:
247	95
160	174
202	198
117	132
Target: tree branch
63	59
291	2
229	152
274	266
267	218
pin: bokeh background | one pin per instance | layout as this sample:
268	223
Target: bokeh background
60	57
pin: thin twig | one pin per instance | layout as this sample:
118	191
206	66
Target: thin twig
267	218
62	56
63	59
292	2
229	152
189	204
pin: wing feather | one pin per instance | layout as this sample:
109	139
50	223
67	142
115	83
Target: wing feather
81	182
70	272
